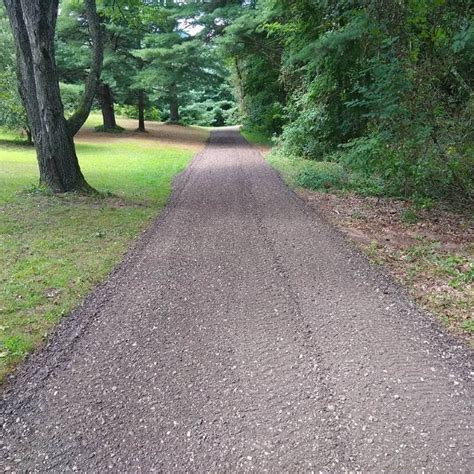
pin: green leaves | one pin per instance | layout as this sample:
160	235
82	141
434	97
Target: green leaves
12	112
384	87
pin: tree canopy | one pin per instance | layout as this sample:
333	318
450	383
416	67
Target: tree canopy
383	87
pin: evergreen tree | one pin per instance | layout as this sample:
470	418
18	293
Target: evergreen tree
176	64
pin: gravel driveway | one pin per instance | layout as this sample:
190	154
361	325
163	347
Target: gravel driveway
242	332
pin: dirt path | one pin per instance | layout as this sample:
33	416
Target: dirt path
242	332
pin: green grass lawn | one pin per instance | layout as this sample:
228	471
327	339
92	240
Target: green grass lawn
55	249
256	137
289	169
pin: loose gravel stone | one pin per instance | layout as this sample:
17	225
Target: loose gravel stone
242	332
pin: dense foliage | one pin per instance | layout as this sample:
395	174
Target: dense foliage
154	58
157	64
383	87
12	112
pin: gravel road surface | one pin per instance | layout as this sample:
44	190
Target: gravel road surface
242	333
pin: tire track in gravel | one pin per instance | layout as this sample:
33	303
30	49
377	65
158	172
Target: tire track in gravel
242	333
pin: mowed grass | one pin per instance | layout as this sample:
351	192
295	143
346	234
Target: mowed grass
256	137
55	249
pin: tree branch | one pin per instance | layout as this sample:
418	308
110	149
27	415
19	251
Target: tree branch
80	115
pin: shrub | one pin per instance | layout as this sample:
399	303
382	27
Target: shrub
409	216
322	175
70	95
304	134
131	111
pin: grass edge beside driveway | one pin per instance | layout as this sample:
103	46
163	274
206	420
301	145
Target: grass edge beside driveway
57	248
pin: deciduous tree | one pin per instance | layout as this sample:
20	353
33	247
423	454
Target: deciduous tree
33	25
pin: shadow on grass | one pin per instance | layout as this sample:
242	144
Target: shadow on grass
103	129
169	133
92	199
16	142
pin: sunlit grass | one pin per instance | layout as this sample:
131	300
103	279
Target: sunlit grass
256	137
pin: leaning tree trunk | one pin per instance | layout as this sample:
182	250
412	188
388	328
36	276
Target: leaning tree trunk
29	138
106	101
141	111
33	24
240	87
174	106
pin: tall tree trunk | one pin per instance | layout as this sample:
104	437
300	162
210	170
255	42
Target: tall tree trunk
106	101
33	24
76	121
174	105
29	138
141	111
240	86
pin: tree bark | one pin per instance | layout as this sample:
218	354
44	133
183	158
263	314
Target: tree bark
106	101
33	24
29	138
141	111
174	105
240	86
